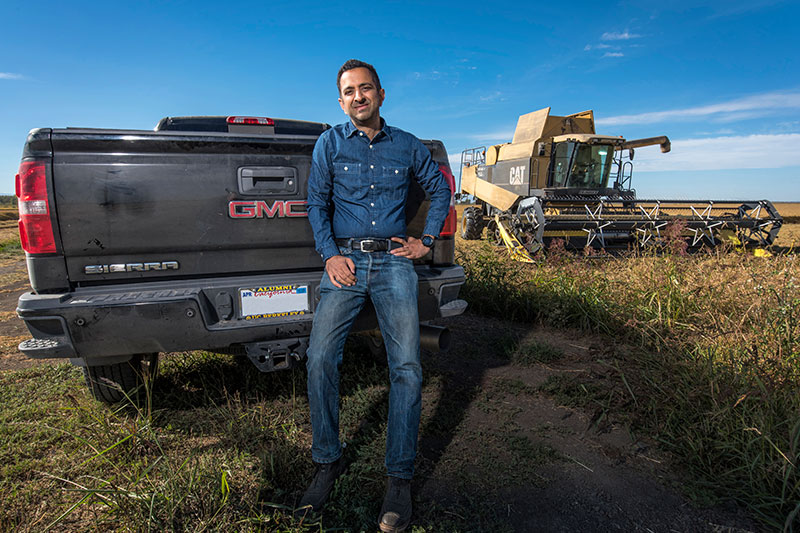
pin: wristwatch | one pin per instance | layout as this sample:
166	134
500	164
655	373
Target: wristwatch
427	240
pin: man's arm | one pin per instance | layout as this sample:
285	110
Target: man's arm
320	191
427	173
340	269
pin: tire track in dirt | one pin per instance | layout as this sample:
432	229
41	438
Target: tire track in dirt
575	472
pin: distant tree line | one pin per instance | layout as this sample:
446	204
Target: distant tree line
8	200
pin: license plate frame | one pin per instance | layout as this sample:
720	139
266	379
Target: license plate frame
273	301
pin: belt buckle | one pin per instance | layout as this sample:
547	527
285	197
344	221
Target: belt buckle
369	243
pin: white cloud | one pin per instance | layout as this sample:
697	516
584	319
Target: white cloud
496	137
618	36
598	46
497	95
613	54
748	107
723	153
723	131
728	9
455	162
10	76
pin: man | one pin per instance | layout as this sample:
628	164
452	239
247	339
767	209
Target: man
357	193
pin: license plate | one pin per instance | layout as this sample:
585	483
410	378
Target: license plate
274	301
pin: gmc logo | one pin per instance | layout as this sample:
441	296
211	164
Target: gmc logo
261	209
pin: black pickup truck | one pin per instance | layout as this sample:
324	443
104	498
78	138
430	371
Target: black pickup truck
191	236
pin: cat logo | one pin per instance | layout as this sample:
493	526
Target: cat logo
516	175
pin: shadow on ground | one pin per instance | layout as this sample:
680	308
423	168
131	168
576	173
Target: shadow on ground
496	452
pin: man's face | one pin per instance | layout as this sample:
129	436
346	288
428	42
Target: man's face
359	97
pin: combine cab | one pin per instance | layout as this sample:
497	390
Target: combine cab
559	179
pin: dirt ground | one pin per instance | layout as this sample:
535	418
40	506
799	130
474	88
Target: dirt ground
606	479
13	282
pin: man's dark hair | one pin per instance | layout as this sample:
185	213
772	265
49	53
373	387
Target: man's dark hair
350	64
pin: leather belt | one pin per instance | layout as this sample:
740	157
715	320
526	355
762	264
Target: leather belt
368	245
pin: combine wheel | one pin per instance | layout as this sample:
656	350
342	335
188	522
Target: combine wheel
493	233
472	223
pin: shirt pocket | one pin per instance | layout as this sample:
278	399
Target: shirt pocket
348	181
394	184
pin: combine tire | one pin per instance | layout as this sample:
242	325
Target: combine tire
493	233
121	381
472	224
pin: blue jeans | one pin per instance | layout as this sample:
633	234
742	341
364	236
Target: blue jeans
391	283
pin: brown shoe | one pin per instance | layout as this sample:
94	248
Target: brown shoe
396	511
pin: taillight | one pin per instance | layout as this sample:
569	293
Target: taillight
35	229
255	121
451	222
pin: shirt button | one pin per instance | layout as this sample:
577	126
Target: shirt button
396	171
345	168
373	222
370	147
360	133
372	186
372	166
372	204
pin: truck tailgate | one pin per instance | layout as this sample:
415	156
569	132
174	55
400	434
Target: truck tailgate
178	205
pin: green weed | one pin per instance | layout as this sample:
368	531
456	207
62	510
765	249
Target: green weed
535	352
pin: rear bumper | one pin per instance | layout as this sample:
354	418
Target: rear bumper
103	325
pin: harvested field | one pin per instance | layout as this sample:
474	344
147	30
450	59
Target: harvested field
790	211
8	213
629	393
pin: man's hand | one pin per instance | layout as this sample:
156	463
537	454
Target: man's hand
341	271
412	248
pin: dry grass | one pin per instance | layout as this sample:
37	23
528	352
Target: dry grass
718	368
788	209
9	230
789	236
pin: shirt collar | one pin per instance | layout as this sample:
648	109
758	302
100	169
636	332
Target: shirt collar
350	130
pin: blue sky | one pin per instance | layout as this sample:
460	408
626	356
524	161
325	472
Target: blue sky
721	79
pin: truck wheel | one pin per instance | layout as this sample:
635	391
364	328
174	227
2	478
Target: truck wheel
472	223
375	345
120	381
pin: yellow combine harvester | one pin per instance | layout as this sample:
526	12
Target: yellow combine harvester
552	181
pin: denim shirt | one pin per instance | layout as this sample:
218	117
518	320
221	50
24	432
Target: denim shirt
359	188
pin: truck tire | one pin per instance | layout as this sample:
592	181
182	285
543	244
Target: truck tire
376	346
472	223
118	382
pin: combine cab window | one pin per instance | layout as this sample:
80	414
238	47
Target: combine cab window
561	162
581	165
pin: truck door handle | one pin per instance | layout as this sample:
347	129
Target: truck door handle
267	181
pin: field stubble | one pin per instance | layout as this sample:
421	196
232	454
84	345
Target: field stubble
700	354
716	374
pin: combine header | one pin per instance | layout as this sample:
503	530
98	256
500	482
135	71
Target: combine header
552	181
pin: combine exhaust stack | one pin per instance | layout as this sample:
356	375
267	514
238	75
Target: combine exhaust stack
559	179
